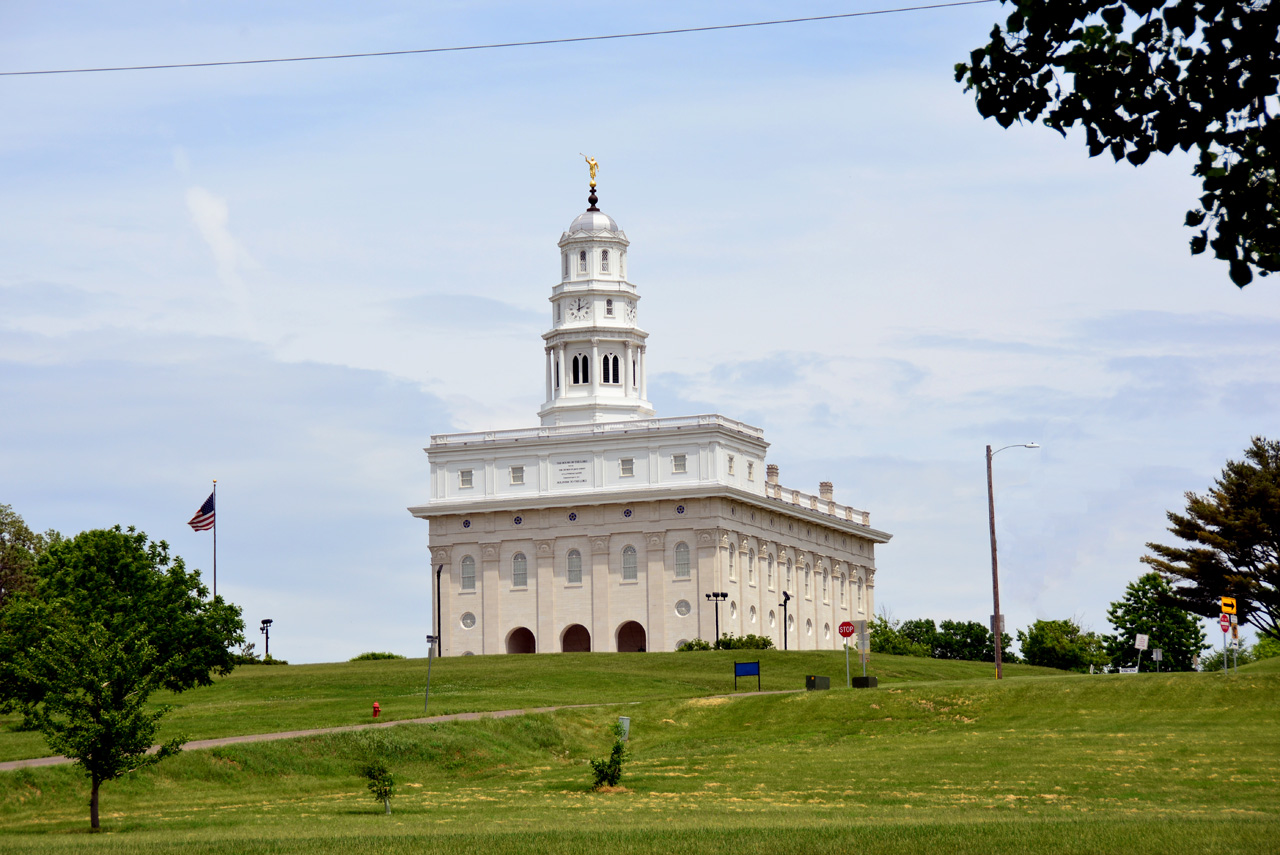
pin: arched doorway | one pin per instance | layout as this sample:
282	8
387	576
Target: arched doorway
520	641
575	639
631	638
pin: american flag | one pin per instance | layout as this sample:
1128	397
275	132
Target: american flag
203	520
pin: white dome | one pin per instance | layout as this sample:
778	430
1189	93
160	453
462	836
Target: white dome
593	221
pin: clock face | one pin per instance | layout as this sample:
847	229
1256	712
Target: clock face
579	309
631	312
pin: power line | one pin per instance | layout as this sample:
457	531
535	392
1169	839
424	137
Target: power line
497	45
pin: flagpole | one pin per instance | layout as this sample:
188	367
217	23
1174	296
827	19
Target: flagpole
215	538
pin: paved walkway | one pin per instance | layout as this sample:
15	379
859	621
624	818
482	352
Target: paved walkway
197	744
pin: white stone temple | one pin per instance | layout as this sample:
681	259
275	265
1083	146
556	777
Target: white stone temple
605	528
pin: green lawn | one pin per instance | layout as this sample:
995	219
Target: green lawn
267	699
1128	764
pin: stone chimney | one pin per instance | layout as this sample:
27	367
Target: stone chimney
771	473
826	490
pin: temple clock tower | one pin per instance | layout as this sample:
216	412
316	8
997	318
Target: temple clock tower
594	350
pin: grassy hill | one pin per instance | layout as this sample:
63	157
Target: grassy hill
945	763
269	699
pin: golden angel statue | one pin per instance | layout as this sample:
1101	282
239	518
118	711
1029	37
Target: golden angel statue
591	163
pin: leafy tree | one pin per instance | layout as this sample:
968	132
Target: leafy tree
110	620
886	638
965	640
922	632
1233	534
381	782
1146	610
608	771
19	549
1148	76
1061	644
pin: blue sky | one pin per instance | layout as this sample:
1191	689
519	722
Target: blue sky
288	277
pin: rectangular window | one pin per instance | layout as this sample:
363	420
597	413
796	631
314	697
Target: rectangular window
630	567
751	476
678	463
682	561
628	467
730	464
464	478
468	573
517	474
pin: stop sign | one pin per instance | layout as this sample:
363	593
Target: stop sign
1224	622
846	629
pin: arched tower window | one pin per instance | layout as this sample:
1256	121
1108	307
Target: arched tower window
557	373
468	573
608	305
582	261
519	571
604	261
789	565
573	574
751	567
609	369
770	572
732	549
682	561
576	376
629	572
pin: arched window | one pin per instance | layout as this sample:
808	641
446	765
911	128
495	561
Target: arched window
468	573
842	591
586	369
824	586
731	551
682	561
582	261
519	571
604	262
807	576
608	304
788	573
576	375
609	368
770	572
574	573
629	564
557	373
751	566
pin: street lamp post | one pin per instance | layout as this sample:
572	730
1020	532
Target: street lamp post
717	597
266	631
431	645
997	625
786	598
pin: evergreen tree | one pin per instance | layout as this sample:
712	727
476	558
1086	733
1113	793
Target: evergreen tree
1233	534
1146	610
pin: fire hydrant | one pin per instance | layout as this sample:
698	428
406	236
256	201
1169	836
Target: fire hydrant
376	709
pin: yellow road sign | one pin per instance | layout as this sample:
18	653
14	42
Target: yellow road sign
1228	605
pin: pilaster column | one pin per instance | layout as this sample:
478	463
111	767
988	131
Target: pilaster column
548	642
490	597
628	382
602	638
595	366
560	387
550	368
655	581
705	573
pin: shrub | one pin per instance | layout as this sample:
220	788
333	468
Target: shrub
373	654
380	782
745	642
608	772
696	644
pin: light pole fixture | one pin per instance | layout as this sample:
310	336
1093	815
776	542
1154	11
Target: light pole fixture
266	631
997	624
786	598
718	597
431	645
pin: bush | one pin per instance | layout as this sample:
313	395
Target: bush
608	772
380	782
745	642
373	654
696	644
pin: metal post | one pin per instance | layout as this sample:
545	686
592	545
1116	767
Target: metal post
266	631
438	634
995	573
848	681
786	598
431	645
716	597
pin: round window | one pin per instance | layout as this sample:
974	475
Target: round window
683	607
468	620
